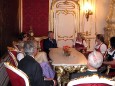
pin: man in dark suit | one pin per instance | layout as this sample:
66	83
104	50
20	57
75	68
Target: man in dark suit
50	42
95	60
31	67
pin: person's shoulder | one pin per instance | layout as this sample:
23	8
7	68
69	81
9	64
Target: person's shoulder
103	75
77	75
47	39
28	59
104	45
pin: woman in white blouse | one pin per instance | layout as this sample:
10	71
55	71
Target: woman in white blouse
80	43
111	53
100	45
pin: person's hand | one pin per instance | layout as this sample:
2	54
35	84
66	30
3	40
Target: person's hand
55	83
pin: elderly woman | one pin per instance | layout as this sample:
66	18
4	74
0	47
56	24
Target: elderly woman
95	60
100	44
41	58
80	43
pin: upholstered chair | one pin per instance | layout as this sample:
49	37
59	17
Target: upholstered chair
91	81
13	51
13	58
16	76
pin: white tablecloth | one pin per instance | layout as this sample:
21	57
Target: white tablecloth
75	58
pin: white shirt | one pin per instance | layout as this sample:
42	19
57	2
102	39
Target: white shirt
20	56
103	48
111	53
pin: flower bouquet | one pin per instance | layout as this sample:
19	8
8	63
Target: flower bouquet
66	50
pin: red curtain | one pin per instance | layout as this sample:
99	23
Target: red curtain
35	14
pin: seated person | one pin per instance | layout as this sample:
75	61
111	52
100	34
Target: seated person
31	67
111	54
111	51
80	43
23	36
20	53
95	60
50	42
100	45
41	58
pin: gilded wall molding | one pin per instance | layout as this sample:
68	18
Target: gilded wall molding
109	30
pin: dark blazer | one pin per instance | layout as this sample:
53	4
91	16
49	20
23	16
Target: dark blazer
34	71
87	73
49	44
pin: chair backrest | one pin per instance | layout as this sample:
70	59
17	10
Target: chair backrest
93	84
41	44
16	47
13	58
16	76
13	51
91	80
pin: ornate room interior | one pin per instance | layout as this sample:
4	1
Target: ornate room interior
65	18
56	16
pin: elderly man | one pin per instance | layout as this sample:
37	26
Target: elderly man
31	67
95	60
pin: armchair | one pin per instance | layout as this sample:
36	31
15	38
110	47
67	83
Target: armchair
13	59
16	76
91	81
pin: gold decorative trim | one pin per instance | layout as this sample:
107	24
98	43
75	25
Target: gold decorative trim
110	27
65	70
65	12
66	5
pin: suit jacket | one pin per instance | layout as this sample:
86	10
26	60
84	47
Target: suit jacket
34	71
49	44
87	73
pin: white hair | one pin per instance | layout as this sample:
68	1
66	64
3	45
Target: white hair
95	59
29	47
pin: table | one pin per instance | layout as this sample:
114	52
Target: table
67	64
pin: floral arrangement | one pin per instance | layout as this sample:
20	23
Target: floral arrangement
66	50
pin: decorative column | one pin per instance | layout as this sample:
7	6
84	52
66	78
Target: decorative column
109	30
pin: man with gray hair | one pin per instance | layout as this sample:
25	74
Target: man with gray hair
48	43
95	60
31	67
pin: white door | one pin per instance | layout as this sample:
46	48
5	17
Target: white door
65	21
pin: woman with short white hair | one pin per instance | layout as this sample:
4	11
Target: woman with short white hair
95	60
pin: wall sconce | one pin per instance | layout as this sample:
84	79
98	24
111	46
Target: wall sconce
87	10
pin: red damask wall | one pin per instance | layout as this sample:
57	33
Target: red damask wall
35	14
